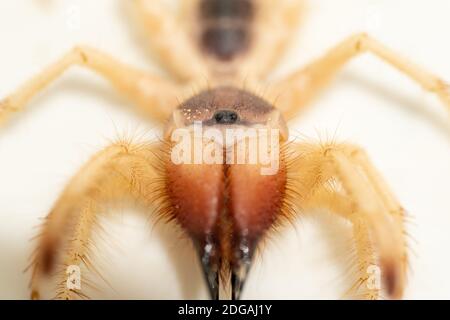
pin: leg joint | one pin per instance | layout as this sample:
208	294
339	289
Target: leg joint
351	151
440	86
81	54
360	42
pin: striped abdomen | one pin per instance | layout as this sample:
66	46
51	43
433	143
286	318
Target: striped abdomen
226	27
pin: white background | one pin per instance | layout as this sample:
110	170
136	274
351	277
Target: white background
404	129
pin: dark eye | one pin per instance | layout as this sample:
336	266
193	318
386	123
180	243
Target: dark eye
226	117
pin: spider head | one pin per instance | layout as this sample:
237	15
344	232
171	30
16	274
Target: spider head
226	108
226	177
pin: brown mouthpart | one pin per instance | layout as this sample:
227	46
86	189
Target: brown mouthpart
226	208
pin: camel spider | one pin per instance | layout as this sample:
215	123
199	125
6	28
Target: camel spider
226	209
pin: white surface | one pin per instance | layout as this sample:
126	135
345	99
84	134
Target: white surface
404	129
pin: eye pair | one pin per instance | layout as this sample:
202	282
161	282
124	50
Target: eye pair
225	117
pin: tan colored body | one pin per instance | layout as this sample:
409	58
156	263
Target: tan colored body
335	176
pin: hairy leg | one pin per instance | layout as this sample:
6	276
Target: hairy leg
366	257
120	171
298	89
341	178
154	96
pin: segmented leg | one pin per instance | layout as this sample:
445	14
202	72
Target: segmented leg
77	253
366	285
275	25
154	96
119	171
341	178
298	89
170	41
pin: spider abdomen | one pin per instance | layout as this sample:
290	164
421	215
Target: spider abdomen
225	27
